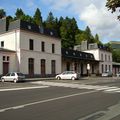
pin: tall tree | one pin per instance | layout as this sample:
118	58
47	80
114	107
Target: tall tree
27	18
50	21
37	18
67	32
89	36
19	13
79	37
116	55
2	13
113	5
97	40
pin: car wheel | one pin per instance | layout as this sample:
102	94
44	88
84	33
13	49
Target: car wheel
15	80
73	78
3	80
59	78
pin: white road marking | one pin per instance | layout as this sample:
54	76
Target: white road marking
106	89
24	88
114	89
109	114
44	101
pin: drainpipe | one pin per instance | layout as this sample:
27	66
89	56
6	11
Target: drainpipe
17	52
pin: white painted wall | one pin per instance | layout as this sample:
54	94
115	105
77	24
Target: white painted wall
11	40
18	40
12	61
37	54
97	54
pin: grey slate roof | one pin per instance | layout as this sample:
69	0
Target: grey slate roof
23	25
68	53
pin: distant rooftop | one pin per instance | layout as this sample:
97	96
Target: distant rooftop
115	44
90	46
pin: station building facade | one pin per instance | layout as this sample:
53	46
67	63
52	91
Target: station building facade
29	49
36	52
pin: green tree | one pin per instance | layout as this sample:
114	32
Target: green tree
37	18
116	55
97	40
108	45
113	5
50	21
2	13
19	13
67	32
10	18
89	36
27	18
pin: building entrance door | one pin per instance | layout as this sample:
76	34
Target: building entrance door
81	69
43	67
5	67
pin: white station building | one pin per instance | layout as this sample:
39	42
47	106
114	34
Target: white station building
27	48
36	52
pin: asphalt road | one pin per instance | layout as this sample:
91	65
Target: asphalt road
64	100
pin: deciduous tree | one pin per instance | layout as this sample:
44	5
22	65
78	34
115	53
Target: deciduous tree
113	5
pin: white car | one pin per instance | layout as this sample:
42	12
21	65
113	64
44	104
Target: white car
13	76
68	75
107	74
118	74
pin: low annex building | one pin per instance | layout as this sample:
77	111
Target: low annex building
28	48
78	61
101	54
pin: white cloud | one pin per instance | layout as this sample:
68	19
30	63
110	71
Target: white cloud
31	3
101	21
93	13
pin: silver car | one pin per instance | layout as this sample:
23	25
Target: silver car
107	74
68	75
13	76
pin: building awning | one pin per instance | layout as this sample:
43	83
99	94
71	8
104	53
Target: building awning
73	54
116	64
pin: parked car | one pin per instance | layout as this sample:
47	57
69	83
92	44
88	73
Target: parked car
107	74
13	76
118	74
68	75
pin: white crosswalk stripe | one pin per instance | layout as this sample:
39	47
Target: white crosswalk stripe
106	89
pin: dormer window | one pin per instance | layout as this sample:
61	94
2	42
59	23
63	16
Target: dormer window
66	52
73	53
51	33
29	27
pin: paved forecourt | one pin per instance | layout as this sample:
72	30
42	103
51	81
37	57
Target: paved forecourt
104	88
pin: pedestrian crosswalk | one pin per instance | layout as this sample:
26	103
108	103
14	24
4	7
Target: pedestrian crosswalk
106	89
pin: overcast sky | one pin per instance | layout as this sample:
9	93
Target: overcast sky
92	13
